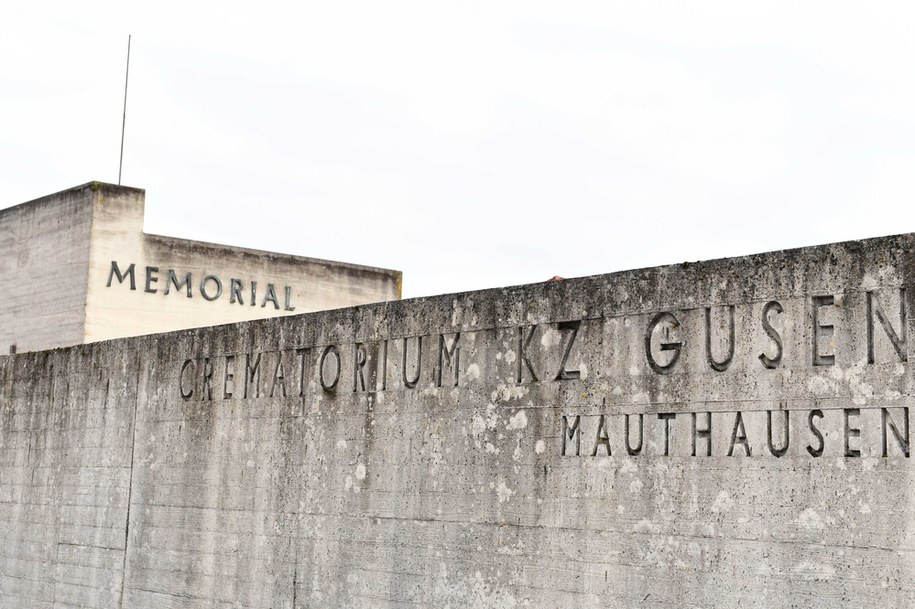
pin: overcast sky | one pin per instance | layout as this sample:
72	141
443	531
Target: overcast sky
474	145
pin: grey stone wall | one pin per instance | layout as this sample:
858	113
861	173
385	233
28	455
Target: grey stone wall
77	267
598	442
44	265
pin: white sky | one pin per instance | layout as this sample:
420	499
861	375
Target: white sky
474	145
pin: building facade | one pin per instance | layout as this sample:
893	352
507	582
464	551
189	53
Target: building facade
78	268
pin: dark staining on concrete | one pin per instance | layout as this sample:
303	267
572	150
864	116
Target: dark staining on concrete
570	443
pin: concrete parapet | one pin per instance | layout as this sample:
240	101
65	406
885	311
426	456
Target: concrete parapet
732	433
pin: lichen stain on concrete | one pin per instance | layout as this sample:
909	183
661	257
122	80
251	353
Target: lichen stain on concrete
809	519
504	393
723	502
504	493
551	338
477	592
518	421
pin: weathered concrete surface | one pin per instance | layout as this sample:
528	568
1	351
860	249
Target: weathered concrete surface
78	268
44	253
234	467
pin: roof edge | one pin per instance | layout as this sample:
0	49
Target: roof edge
257	252
94	186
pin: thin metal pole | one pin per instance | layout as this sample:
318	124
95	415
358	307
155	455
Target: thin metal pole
124	119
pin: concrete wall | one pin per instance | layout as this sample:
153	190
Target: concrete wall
472	450
44	254
65	475
77	267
